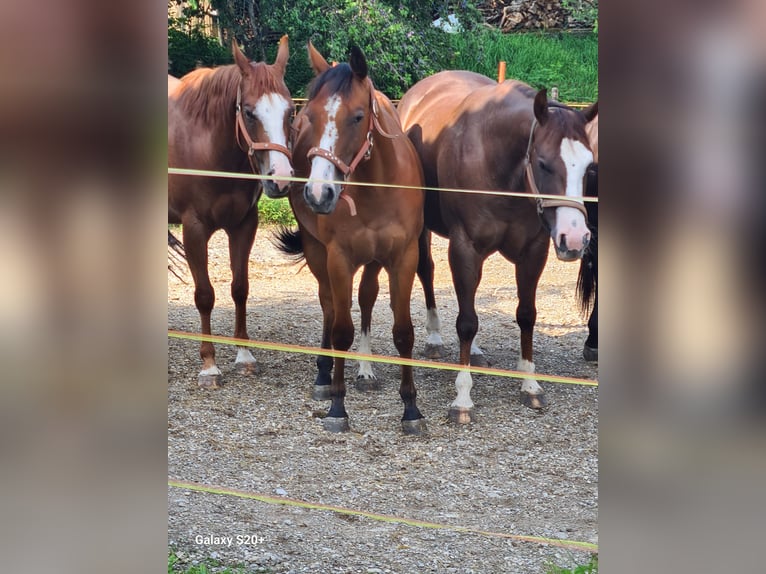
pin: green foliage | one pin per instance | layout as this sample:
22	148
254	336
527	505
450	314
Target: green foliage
397	38
590	568
275	212
583	12
568	61
209	566
189	47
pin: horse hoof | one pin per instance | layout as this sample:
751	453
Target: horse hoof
460	415
366	384
210	382
590	354
321	393
434	351
416	427
533	401
336	424
479	361
246	368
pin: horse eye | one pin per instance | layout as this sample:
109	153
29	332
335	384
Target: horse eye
358	118
249	114
544	166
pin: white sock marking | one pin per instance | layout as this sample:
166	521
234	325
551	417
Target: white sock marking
365	367
463	385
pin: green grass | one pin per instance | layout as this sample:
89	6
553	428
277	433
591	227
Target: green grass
568	61
590	568
275	212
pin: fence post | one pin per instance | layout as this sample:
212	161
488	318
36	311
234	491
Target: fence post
555	94
501	72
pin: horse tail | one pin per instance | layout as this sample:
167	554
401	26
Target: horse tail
587	278
289	241
176	254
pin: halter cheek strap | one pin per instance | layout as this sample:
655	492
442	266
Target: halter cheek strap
542	203
241	132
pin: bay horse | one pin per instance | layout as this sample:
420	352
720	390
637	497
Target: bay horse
233	118
476	134
587	278
349	131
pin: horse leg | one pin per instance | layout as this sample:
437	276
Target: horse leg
316	259
528	274
466	265
240	244
401	278
434	348
368	294
196	237
341	280
590	349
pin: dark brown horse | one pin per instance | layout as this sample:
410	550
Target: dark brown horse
349	131
473	133
233	118
587	279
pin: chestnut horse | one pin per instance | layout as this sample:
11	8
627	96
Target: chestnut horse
587	279
349	131
233	118
473	133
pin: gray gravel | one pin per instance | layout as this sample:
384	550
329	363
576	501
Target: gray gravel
512	471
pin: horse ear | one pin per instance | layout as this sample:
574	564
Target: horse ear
318	63
358	62
240	58
591	112
541	106
280	63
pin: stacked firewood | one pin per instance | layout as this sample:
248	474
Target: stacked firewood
511	15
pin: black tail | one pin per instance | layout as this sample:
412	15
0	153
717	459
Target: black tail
587	278
289	241
176	254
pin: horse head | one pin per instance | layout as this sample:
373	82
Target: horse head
558	155
263	112
336	126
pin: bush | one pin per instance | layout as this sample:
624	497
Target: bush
189	47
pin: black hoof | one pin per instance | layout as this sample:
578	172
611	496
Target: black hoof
321	393
210	381
461	415
479	361
433	351
590	354
246	368
336	424
415	428
533	401
365	384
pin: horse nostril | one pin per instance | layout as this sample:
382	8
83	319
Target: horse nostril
329	191
271	172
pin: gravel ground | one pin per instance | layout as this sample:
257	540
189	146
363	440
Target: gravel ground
512	471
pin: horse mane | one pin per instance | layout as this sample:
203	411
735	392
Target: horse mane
209	94
338	79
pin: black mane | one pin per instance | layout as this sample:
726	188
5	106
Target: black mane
337	79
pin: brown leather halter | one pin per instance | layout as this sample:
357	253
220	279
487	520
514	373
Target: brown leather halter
365	151
252	147
542	203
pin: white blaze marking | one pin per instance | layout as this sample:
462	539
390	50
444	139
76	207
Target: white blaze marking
365	367
570	222
528	385
433	328
321	168
270	109
463	385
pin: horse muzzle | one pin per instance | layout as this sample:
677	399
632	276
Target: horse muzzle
570	234
321	197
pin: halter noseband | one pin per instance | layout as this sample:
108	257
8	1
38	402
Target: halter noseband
542	203
252	147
